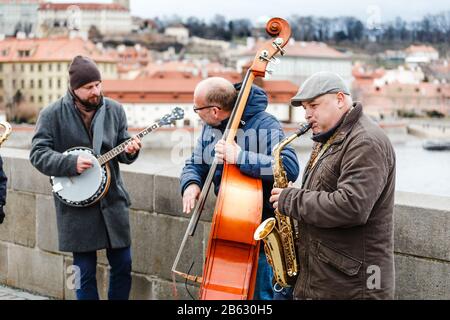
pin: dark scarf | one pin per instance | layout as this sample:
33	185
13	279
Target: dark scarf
324	136
87	110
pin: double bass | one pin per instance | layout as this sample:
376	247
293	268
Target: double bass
231	258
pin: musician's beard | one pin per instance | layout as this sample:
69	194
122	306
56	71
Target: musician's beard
91	103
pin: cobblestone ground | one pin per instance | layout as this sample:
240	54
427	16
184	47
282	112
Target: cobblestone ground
7	293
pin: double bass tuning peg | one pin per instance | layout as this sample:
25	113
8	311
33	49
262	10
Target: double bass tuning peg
264	55
277	43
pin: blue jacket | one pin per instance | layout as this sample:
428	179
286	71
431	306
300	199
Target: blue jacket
258	134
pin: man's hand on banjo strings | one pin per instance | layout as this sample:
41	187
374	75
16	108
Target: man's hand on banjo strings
83	163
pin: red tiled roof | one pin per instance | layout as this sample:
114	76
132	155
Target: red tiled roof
151	85
280	86
420	48
180	90
50	49
82	6
232	76
186	69
183	85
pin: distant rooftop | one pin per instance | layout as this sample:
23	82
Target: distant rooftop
82	6
49	49
420	48
180	90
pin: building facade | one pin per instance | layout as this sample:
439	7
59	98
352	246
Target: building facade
18	16
34	72
420	54
302	59
147	100
107	18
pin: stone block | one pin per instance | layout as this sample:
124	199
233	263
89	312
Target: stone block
141	287
140	188
19	225
7	164
155	242
3	261
168	198
46	229
164	290
421	279
167	195
36	271
420	200
422	232
25	177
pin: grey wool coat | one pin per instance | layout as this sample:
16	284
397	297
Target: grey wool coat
106	223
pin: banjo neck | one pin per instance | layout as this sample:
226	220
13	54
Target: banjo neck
111	154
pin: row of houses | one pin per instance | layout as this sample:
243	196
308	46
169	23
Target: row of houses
403	90
33	73
41	18
412	55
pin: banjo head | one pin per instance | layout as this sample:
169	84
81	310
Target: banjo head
84	189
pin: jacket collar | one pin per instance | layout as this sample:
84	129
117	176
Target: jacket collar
68	99
348	123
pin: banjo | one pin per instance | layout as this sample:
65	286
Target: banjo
92	184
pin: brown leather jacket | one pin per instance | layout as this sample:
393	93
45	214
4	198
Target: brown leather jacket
345	214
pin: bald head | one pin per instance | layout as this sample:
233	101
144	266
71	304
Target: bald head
216	91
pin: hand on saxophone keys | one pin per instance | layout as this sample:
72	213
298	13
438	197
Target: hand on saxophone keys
276	195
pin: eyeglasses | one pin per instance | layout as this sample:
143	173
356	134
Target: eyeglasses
207	107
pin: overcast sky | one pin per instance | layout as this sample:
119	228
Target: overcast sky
365	10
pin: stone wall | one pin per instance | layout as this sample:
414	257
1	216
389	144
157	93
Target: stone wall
29	258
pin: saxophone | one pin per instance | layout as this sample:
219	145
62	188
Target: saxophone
7	131
278	233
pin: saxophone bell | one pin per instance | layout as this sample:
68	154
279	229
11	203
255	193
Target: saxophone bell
264	229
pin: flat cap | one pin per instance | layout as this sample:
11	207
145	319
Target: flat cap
319	84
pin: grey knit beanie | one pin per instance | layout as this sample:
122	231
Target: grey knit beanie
83	70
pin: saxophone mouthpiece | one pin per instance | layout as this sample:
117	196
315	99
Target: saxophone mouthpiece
304	127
